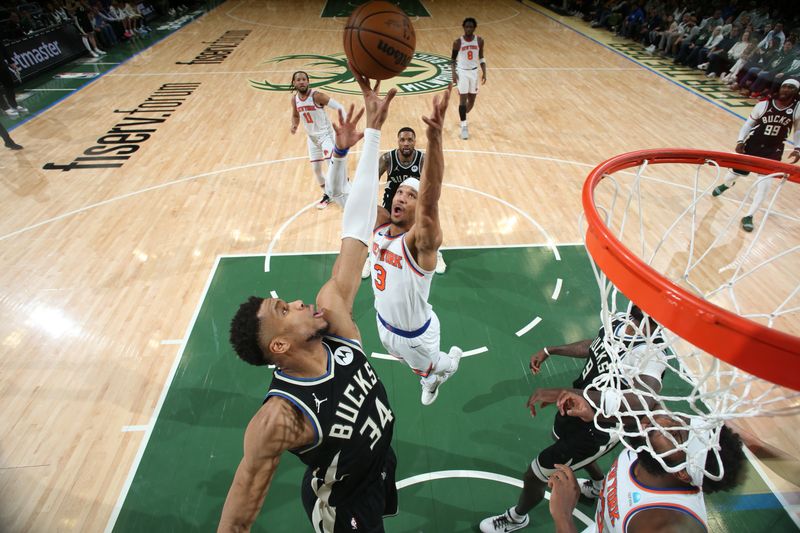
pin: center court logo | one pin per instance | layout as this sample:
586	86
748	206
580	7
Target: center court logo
425	74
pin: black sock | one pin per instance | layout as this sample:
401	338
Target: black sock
462	112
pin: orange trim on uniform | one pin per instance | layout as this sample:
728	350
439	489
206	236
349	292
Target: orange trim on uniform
656	490
410	261
423	374
661	505
393	237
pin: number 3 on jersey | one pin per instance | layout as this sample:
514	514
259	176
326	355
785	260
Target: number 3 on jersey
380	279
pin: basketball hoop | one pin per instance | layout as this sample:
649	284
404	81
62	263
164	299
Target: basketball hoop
727	302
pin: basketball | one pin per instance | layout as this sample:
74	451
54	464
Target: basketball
379	40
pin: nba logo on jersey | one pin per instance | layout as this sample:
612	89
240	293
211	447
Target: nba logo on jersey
353	523
343	355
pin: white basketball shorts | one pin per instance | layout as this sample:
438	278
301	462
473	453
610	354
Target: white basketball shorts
420	353
468	81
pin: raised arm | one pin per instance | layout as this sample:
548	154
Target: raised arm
295	117
337	295
322	99
275	428
425	236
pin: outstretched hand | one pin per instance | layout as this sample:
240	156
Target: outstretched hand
347	134
573	404
543	397
377	108
435	121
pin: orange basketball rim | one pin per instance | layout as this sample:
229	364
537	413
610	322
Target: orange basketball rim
760	350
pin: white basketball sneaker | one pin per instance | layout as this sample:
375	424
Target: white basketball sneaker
455	354
588	488
464	133
430	389
502	523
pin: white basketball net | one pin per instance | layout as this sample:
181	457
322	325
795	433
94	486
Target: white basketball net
695	241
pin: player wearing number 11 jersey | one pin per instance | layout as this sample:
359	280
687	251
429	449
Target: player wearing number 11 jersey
403	260
308	109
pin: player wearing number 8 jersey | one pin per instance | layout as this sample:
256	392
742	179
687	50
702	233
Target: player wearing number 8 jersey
308	109
763	135
467	56
403	258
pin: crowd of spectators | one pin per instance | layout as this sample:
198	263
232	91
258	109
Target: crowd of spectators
751	47
101	25
100	22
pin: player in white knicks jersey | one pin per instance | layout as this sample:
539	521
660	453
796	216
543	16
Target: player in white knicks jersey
403	259
308	108
638	494
467	56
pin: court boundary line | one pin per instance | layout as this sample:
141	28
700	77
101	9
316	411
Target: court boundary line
480	474
151	423
130	194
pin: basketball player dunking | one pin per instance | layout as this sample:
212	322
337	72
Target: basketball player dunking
467	56
399	164
309	105
763	135
403	257
325	404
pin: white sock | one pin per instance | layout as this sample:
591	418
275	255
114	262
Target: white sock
513	514
730	178
463	123
762	188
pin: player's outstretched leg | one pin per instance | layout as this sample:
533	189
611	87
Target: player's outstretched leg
727	182
446	366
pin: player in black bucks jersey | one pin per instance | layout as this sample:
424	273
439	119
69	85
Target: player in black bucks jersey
326	405
763	135
579	444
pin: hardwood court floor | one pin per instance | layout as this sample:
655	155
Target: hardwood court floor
102	268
